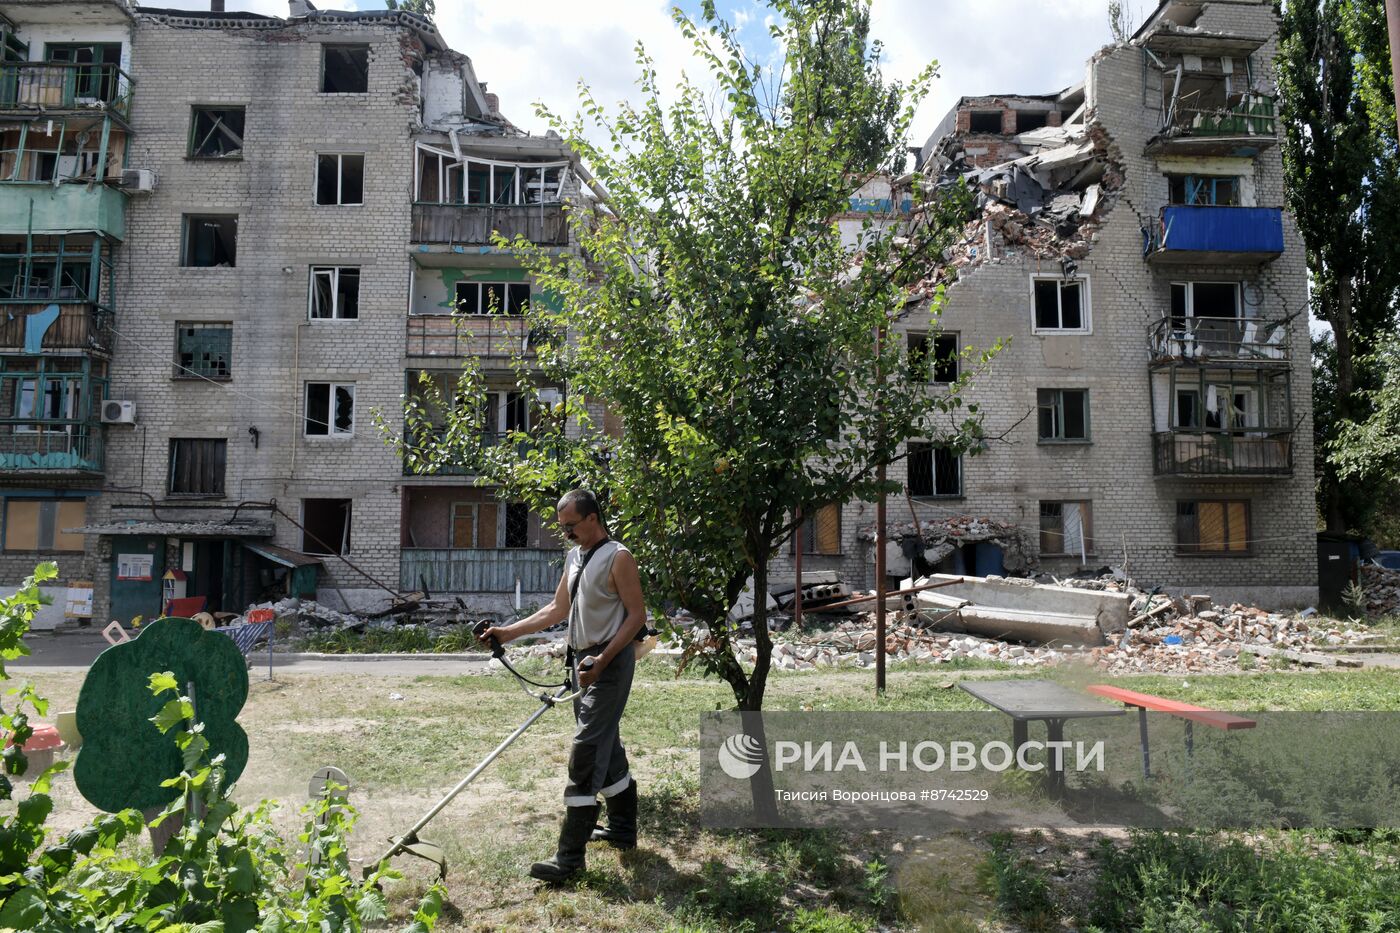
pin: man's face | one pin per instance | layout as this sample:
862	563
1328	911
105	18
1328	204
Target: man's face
572	523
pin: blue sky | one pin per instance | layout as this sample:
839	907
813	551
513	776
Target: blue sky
538	49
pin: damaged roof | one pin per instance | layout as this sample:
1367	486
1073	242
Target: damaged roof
423	26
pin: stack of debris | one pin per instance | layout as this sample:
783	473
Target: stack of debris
853	643
926	543
1382	587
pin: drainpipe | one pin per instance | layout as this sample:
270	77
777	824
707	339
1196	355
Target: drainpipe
297	398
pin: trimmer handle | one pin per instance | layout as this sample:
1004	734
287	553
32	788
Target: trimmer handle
479	630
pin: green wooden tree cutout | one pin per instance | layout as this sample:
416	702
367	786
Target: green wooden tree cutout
124	757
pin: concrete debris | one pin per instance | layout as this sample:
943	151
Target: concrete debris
917	549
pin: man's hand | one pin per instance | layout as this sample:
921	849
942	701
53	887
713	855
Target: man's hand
502	634
587	676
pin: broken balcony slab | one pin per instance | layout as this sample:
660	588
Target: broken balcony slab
1025	611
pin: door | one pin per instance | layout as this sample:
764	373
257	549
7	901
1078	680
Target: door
138	563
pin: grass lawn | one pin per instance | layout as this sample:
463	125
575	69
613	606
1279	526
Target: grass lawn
402	753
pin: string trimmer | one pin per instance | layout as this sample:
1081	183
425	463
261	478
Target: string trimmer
409	843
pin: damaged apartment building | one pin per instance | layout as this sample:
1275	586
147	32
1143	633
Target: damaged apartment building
1152	409
227	241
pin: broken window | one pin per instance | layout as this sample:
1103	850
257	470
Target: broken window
197	466
1031	119
1060	305
942	366
820	531
203	350
1199	190
216	132
517	524
1212	527
53	399
37	524
1066	528
1064	414
335	293
984	121
210	240
492	297
97	75
933	471
1204	299
330	409
448	178
344	69
340	178
325	526
502	413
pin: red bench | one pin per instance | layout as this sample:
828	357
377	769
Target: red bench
1186	711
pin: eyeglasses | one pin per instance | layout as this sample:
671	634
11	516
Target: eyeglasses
570	526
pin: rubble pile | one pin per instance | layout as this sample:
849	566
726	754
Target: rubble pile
928	542
312	614
1382	588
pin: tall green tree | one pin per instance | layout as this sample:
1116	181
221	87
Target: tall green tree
1337	106
716	310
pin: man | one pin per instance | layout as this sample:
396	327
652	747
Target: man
600	594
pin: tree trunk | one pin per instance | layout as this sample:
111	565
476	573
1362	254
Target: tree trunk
1335	512
763	642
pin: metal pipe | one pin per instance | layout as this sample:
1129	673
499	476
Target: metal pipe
904	592
797	563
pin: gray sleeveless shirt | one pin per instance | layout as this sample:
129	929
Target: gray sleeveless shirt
597	612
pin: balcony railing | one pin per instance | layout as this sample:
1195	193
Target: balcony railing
1223	453
480	570
1252	115
78	327
46	86
43	447
473	224
41	208
492	336
1212	233
1193	339
488	439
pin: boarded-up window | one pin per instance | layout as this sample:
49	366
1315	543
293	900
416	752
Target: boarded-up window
933	471
326	524
820	532
37	524
197	466
475	524
1213	527
1066	528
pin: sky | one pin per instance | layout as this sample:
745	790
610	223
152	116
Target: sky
538	50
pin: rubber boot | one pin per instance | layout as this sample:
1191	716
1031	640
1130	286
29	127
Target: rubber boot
573	836
621	831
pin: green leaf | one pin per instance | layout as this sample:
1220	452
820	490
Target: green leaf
172	714
163	681
22	910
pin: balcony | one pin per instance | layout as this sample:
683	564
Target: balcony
1223	453
480	570
83	328
1240	126
488	439
1220	340
46	87
1215	234
49	448
488	336
473	224
42	208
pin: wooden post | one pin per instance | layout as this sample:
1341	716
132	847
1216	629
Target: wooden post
798	544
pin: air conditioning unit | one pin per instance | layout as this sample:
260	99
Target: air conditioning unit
117	412
138	179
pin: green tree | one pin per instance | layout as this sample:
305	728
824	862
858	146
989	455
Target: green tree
425	8
1339	152
716	310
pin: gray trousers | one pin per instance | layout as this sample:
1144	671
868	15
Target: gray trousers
597	760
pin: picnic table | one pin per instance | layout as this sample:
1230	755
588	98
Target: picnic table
1027	700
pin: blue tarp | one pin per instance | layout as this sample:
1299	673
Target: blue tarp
1222	229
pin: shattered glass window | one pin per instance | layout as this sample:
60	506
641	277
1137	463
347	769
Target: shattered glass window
216	133
330	409
203	350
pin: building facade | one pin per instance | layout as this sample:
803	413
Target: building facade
305	226
1151	409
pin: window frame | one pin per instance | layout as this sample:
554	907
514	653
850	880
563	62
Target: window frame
1086	321
195	111
335	274
913	448
187	222
331	433
1058	414
191	373
481	285
1237	182
325	50
216	443
926	370
1195	548
339	157
347	536
1086	528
